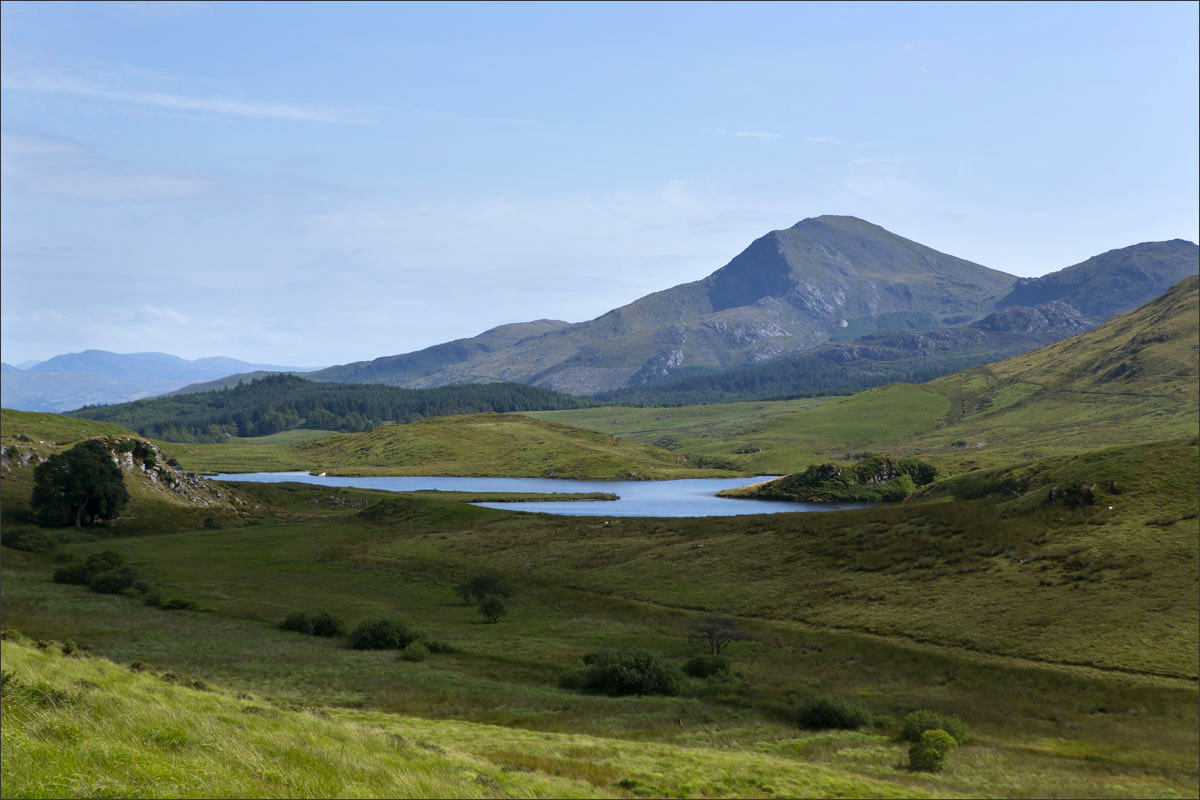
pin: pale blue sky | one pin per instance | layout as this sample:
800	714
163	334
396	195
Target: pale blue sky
312	184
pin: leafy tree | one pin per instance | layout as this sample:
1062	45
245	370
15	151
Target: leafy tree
80	485
717	632
492	607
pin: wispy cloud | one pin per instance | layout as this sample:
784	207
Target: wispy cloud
747	134
52	83
57	166
473	118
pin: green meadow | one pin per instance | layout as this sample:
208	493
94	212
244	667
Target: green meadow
1058	634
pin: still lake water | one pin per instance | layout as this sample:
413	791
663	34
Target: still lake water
695	497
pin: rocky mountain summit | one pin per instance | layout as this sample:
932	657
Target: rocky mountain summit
789	291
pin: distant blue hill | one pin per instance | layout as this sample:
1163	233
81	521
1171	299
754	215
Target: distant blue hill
73	380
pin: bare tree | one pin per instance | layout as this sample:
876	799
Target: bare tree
717	632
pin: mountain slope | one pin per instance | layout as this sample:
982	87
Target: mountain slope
1131	380
788	291
871	360
1111	282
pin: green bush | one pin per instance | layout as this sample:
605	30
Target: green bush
823	711
415	652
628	671
319	624
179	604
27	538
96	564
104	561
929	754
75	572
381	634
114	581
706	666
918	722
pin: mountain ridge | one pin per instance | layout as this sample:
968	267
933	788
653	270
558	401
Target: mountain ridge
91	377
789	292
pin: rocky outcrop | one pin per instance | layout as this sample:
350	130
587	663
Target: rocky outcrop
143	464
1053	317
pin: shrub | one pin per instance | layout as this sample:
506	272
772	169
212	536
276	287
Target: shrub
320	624
628	671
381	634
492	607
929	754
706	666
179	604
104	561
575	680
72	573
114	581
918	722
415	652
823	711
27	538
152	599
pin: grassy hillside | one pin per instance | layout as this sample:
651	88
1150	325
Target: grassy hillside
176	741
471	445
1130	380
52	428
774	436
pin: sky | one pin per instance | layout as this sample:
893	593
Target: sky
307	184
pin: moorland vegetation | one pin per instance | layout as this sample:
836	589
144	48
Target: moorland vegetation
1026	628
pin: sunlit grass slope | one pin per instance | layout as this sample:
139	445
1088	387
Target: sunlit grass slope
470	445
84	727
53	429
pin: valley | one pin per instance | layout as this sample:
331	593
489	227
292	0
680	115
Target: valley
1042	590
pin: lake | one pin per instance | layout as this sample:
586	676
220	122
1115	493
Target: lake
695	497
